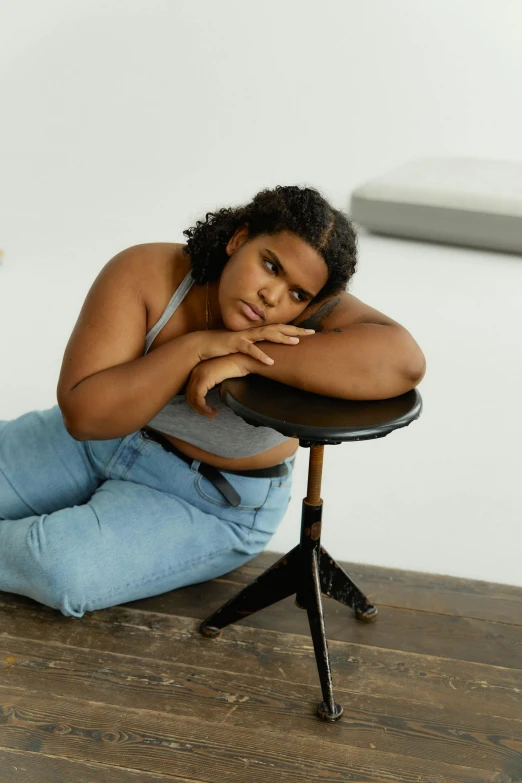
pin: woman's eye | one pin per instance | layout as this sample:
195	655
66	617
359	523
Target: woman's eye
303	297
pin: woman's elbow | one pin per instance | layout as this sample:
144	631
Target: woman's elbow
415	370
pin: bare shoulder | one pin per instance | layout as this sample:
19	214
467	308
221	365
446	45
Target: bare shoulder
341	310
112	324
154	270
151	262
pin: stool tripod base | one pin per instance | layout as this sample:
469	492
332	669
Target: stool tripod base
307	570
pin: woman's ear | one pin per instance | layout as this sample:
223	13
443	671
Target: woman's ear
239	236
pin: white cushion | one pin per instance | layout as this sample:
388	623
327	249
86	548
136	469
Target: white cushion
465	201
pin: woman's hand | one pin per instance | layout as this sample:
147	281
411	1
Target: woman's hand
208	374
223	342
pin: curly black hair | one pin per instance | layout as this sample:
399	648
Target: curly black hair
301	210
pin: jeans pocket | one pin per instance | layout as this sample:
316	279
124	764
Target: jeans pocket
273	510
252	491
123	458
266	520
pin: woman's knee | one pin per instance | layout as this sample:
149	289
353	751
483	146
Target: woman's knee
55	573
42	469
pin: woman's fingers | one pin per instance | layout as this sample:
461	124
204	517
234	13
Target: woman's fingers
251	349
271	330
276	337
276	333
284	333
196	398
286	328
300	330
257	353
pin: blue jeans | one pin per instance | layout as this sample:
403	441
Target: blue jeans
85	525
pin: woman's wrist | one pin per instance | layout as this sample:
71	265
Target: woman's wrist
248	363
202	339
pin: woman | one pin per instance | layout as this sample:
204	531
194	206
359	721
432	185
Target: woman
141	480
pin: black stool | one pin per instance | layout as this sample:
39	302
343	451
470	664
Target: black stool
308	570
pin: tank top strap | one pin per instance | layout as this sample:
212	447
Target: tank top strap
175	301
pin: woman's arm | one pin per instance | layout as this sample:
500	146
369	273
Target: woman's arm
349	357
119	400
358	362
107	387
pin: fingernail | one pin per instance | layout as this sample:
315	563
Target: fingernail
294	339
269	360
310	330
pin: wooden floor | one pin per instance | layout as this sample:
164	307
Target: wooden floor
432	692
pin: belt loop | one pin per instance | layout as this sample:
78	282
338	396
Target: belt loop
194	465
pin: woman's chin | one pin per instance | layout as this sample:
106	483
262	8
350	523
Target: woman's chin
236	321
237	324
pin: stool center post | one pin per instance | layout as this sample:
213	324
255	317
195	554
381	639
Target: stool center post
311	521
315	474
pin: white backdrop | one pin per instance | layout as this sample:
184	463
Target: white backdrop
125	121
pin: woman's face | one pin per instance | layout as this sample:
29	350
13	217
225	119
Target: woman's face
279	275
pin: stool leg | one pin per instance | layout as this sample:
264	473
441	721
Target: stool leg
308	595
335	583
277	582
327	709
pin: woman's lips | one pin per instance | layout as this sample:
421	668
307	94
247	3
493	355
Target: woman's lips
246	310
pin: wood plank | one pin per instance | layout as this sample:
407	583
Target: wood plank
26	767
415	590
363	669
451	734
169	744
463	638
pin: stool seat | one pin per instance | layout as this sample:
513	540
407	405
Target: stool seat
313	417
308	570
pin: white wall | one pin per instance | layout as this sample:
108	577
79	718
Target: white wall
123	121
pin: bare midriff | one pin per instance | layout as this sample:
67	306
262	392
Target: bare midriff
264	459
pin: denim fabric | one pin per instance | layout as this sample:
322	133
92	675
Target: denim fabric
85	525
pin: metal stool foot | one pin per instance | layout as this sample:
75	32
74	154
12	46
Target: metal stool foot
210	630
325	713
369	615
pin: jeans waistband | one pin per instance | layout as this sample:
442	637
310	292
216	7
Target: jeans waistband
212	473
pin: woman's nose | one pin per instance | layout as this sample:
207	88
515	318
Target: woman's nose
271	296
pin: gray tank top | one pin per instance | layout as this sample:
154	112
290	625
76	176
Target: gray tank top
227	435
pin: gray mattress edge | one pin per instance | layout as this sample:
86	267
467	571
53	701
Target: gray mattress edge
433	223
